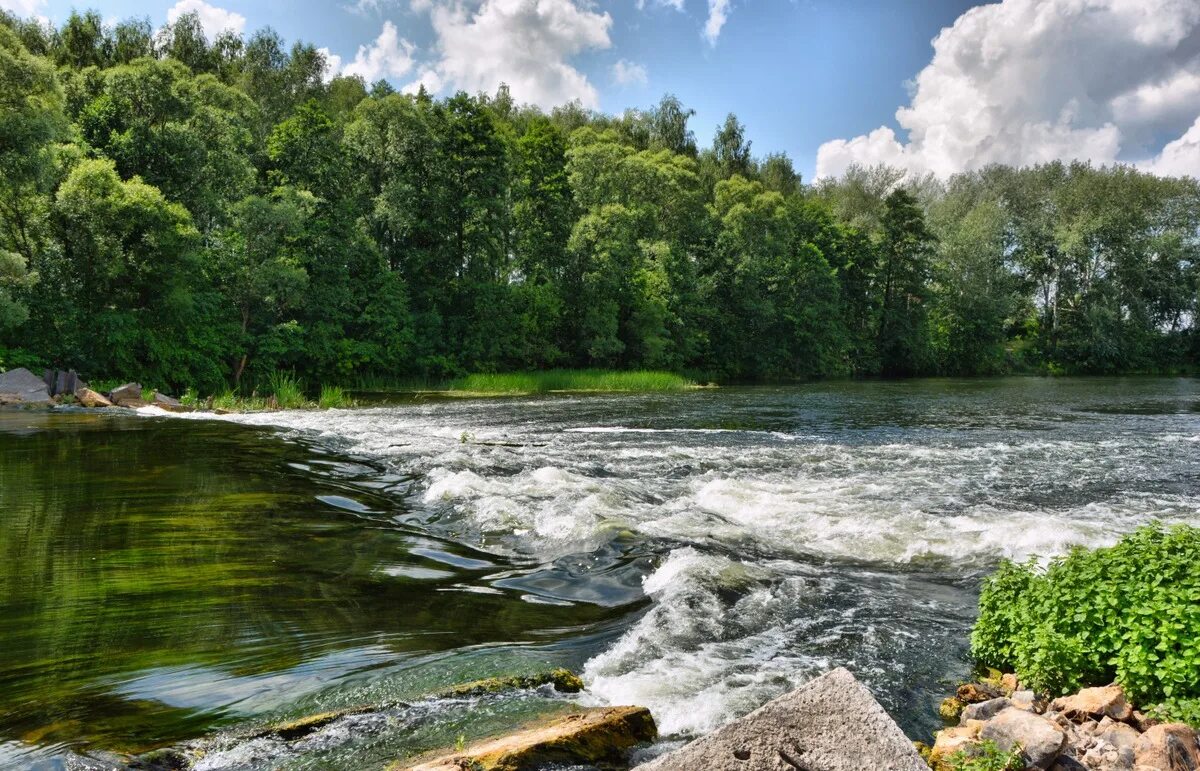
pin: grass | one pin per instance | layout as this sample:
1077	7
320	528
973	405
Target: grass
571	380
287	390
333	397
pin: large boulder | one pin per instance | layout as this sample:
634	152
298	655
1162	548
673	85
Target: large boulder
21	386
1040	739
168	403
597	736
950	741
985	710
833	723
1168	747
89	398
128	395
1095	703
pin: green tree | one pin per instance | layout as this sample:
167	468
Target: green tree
905	248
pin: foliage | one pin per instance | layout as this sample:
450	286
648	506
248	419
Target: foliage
571	380
333	397
195	212
1129	613
986	756
286	390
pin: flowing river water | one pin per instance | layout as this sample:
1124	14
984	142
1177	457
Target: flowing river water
698	553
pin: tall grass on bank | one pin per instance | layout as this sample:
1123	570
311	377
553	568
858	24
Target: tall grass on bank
287	390
333	397
571	380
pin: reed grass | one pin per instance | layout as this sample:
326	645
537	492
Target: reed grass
333	397
571	380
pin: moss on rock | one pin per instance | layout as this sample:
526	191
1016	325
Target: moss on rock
563	680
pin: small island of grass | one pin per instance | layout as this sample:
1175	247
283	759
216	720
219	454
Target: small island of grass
579	380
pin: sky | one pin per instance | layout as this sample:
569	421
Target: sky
936	86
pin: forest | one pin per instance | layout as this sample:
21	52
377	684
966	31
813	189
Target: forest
203	213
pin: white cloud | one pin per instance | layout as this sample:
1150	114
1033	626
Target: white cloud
527	44
24	9
389	56
1026	81
628	73
213	20
676	4
718	14
1180	157
333	64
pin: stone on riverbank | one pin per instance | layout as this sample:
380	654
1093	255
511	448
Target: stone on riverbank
168	403
20	386
833	723
563	680
1095	703
89	398
1168	747
595	736
1040	739
128	395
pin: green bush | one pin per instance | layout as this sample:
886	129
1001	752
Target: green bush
287	390
987	756
1129	613
333	396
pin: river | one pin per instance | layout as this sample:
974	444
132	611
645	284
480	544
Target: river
697	553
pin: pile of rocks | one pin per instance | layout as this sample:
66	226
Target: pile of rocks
22	387
1096	729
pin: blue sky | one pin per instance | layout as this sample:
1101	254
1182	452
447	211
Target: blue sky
1016	81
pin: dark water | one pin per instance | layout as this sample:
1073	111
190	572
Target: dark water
163	578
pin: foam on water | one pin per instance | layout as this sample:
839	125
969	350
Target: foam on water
810	537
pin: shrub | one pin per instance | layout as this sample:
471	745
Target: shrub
287	390
333	396
986	756
571	380
1129	613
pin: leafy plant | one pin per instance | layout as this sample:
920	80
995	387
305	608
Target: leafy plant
986	756
287	390
332	397
1129	613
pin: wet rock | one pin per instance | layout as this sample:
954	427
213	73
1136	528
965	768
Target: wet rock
128	395
563	680
951	709
595	736
833	723
167	759
303	726
986	710
20	386
168	403
973	693
1168	747
1041	740
1106	701
89	398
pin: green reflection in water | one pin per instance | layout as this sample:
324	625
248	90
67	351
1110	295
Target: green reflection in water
159	578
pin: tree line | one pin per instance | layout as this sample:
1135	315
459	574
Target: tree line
202	213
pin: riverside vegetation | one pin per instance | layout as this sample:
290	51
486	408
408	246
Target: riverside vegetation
200	213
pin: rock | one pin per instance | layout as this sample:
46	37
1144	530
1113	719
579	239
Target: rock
833	723
1067	763
973	693
89	398
951	740
23	387
595	736
303	726
1100	702
128	395
563	680
168	403
1009	683
951	709
1026	700
1117	734
985	710
1040	739
1143	722
1168	747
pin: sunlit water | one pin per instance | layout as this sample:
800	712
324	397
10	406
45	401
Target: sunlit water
696	553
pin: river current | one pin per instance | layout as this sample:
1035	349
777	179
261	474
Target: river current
697	553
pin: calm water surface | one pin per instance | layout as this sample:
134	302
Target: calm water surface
699	553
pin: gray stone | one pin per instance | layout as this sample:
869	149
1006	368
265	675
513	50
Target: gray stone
1026	700
986	710
128	395
27	387
831	724
168	403
1040	739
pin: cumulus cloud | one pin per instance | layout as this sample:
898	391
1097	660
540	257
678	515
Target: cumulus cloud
213	20
627	73
1027	81
527	45
718	14
676	4
24	9
389	56
333	64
